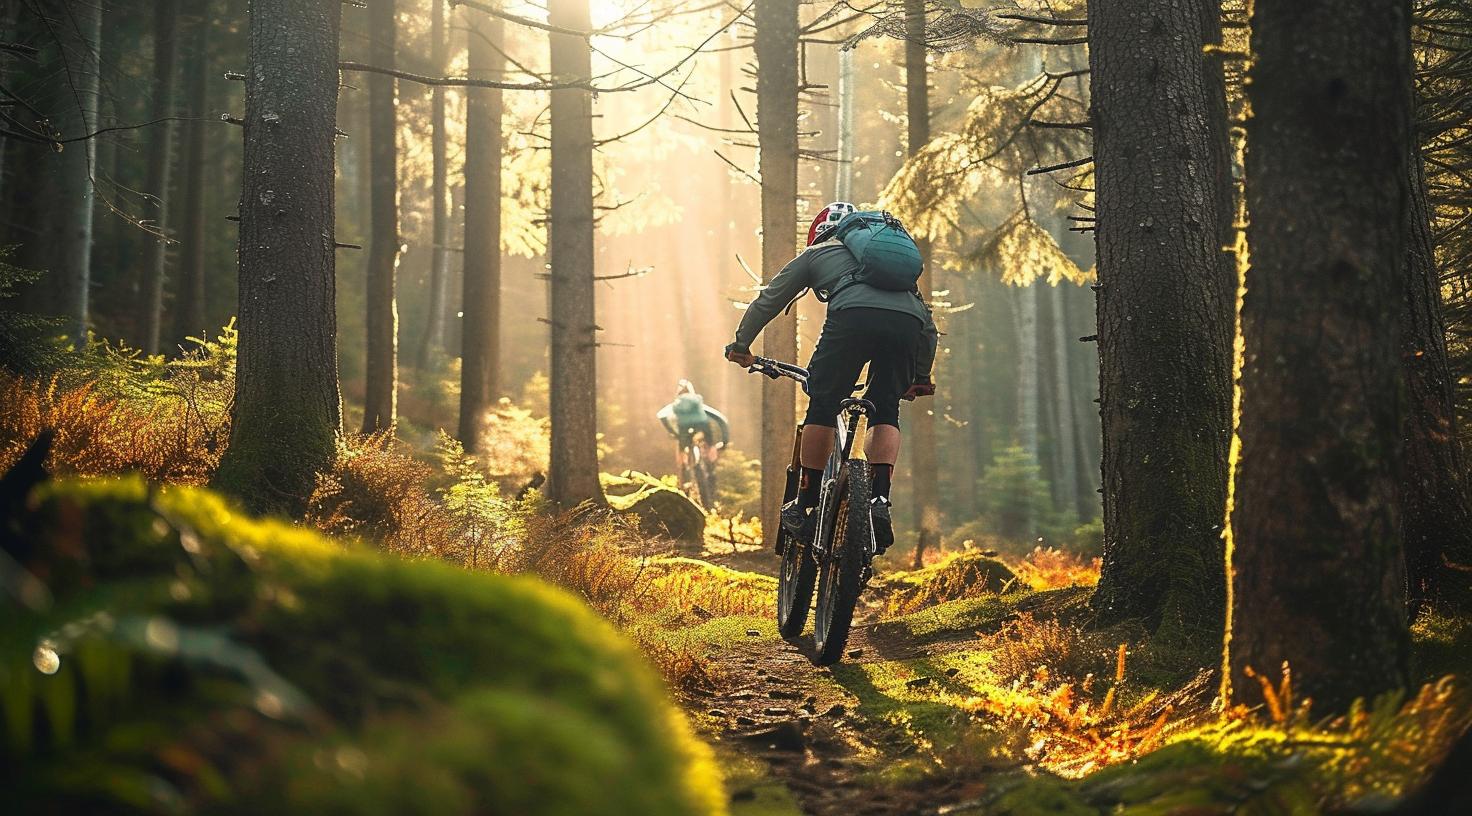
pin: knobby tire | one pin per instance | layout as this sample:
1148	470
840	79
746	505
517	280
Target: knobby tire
841	575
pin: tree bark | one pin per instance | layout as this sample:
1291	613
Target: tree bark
160	163
1166	313
923	458
573	473
189	296
433	340
776	107
1436	513
381	368
287	413
81	45
1315	557
480	350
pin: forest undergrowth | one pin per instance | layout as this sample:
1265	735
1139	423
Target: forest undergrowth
980	674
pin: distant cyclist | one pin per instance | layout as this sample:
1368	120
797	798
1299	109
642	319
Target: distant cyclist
687	414
875	319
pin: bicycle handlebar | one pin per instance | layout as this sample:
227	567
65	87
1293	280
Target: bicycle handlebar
775	368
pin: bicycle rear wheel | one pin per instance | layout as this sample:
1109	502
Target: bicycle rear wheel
841	575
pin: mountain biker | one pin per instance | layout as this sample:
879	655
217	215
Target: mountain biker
892	331
688	413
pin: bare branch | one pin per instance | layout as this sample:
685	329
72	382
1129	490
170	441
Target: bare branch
1064	166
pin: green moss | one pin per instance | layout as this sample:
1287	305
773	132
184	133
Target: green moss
256	666
961	616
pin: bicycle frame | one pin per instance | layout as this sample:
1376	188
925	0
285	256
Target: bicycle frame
847	434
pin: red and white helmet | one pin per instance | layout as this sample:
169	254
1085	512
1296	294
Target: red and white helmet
827	219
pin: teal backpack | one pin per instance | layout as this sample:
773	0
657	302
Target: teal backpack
888	257
690	410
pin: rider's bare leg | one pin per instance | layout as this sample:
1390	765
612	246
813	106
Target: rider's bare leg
817	443
883	447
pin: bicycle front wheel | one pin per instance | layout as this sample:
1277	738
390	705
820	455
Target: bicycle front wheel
794	585
705	482
841	575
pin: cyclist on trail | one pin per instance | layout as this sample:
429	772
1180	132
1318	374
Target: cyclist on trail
890	329
688	412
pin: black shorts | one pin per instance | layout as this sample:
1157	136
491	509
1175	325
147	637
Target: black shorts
889	341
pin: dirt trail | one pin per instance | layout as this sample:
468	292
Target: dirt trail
770	701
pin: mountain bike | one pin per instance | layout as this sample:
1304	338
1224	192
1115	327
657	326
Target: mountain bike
839	559
696	468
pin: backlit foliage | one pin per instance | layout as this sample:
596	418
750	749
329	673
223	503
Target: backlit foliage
1052	568
1022	251
956	190
114	411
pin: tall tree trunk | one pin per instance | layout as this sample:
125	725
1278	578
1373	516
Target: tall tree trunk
81	44
480	325
287	415
1315	558
966	450
1027	380
381	369
1066	439
1166	313
843	188
1436	514
923	458
573	474
776	112
433	340
160	162
189	296
1085	374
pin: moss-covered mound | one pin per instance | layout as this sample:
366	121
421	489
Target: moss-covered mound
164	654
964	575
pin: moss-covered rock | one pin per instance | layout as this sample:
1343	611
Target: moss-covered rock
173	655
662	509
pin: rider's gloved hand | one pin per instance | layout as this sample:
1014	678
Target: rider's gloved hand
924	388
740	355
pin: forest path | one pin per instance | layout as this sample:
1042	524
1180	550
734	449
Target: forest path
870	735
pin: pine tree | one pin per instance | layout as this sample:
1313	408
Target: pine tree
81	46
160	163
189	297
1166	312
573	472
924	465
480	333
1315	558
776	112
380	400
433	340
287	414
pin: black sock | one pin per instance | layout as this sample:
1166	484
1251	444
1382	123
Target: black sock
809	488
882	475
